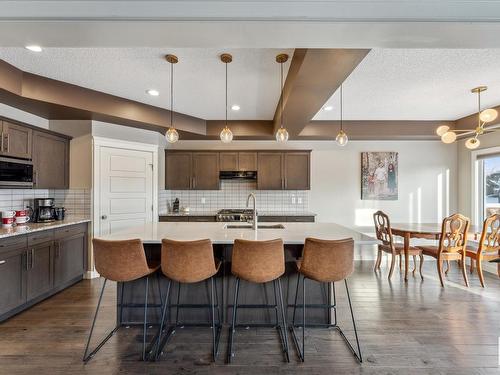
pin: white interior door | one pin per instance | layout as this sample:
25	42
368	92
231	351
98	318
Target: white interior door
126	189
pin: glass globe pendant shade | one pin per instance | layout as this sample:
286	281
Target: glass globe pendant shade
472	143
342	138
226	135
449	137
282	135
488	115
172	135
442	129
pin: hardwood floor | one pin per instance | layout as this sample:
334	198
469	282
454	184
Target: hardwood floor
413	328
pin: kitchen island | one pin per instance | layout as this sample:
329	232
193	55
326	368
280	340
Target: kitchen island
222	236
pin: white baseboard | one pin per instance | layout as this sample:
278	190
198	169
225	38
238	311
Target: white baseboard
91	275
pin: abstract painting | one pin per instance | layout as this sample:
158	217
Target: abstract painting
379	176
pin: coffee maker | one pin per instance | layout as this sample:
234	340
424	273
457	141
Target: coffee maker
43	210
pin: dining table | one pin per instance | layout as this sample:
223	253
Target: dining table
429	231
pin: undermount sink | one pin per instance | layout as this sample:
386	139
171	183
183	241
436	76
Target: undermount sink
249	226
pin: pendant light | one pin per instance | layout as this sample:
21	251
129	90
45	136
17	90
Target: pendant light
341	138
172	135
226	135
282	133
483	117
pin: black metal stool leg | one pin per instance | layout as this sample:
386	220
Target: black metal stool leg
334	303
358	356
162	322
283	317
303	318
296	296
87	357
145	327
214	328
122	290
178	301
233	321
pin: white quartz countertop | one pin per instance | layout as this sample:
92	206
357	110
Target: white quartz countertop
36	227
293	233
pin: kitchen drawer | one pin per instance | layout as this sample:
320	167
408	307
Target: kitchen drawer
14	242
70	230
167	219
272	219
202	218
40	237
300	219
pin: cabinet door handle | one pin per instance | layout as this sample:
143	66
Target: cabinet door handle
2	262
26	260
35	178
1	143
194	182
32	258
58	249
8	141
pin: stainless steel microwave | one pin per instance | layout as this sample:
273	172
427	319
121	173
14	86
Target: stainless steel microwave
16	173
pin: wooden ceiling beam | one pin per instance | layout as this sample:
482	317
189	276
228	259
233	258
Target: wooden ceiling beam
313	77
57	100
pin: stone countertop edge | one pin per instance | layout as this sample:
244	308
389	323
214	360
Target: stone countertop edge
37	227
213	213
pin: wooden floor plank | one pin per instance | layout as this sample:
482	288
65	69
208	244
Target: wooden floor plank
415	328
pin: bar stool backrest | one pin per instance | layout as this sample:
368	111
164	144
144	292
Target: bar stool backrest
327	260
187	261
490	236
454	232
258	261
121	261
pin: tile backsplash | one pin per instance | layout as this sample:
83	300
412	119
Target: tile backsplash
233	194
76	201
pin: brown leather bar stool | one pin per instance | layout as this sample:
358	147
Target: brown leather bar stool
259	262
189	262
120	261
325	261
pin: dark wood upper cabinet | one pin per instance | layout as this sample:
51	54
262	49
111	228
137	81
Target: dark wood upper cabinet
50	161
247	161
16	140
178	174
297	170
205	171
228	161
270	171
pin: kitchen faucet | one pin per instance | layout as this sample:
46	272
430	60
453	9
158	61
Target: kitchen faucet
254	213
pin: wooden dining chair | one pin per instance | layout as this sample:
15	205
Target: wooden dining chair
387	245
488	248
452	244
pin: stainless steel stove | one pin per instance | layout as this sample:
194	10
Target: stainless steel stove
235	214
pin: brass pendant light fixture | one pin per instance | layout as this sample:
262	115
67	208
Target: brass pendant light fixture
282	133
172	135
226	135
483	117
342	138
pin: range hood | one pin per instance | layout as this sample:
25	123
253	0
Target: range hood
238	175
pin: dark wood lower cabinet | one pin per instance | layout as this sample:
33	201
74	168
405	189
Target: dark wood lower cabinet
39	273
35	266
12	279
69	259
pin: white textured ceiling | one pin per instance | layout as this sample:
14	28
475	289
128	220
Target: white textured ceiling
253	76
389	84
418	84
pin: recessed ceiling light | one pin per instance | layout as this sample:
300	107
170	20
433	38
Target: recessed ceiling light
34	48
327	108
235	107
153	92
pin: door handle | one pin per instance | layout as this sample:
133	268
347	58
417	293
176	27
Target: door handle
104	217
2	262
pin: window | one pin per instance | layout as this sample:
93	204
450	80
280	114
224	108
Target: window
489	175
